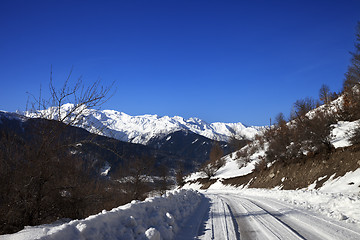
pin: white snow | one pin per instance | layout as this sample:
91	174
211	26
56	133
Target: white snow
231	169
338	198
349	183
313	214
181	214
142	128
104	171
12	116
330	204
334	205
155	218
341	133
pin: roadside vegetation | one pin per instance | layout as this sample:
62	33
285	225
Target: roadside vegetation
49	169
307	131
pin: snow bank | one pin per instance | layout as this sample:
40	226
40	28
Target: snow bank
155	218
335	205
349	183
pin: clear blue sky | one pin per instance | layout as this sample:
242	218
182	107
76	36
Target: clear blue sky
230	61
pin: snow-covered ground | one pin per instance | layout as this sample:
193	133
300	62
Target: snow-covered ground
340	134
155	218
277	214
226	212
330	212
335	199
222	212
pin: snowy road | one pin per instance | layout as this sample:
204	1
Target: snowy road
218	214
229	215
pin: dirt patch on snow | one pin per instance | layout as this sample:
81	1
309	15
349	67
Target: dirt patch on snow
204	182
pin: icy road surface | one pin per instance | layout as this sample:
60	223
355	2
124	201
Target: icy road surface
226	215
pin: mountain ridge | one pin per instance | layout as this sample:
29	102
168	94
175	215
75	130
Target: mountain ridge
142	128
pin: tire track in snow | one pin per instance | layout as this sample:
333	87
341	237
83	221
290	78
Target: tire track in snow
262	218
309	223
257	223
221	223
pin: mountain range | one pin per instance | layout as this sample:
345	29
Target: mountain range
171	145
143	128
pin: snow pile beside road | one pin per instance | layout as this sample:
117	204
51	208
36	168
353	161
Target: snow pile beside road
349	183
155	218
335	205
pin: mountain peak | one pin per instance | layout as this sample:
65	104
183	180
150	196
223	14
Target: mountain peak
142	128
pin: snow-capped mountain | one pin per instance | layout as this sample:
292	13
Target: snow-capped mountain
142	128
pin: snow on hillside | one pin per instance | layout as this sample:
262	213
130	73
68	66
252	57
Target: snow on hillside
341	132
155	218
12	116
140	129
234	167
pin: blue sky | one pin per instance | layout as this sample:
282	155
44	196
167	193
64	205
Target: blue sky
229	61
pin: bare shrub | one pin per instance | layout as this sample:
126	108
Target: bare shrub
355	138
179	175
215	161
260	166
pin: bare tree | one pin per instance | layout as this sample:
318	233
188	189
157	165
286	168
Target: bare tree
164	178
351	85
48	182
215	161
303	106
280	119
179	174
352	77
80	97
325	94
215	155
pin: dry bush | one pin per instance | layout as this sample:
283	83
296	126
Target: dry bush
355	138
303	135
242	154
260	166
215	161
